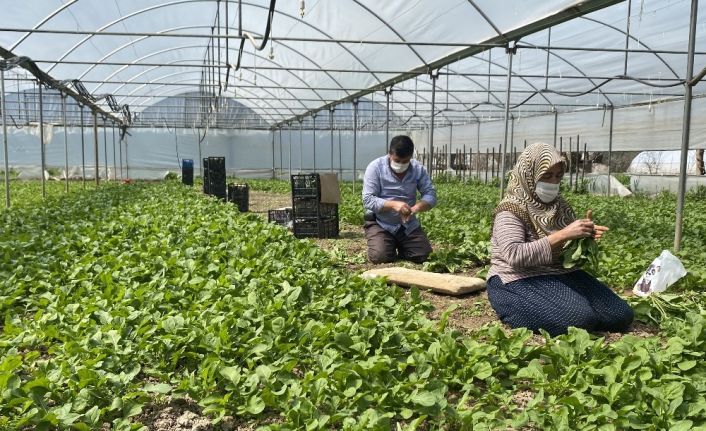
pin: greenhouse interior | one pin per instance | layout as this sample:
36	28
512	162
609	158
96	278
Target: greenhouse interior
135	298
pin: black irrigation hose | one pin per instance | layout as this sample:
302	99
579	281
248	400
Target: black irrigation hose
265	39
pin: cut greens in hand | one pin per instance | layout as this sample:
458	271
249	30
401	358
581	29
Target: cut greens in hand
581	252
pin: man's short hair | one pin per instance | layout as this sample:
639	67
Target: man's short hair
402	146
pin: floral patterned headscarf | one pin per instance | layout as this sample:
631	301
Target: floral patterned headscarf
521	199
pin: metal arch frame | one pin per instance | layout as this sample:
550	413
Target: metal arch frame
515	34
427	101
177	61
244	107
470	1
122	18
578	69
327	106
524	79
148	9
132	42
391	29
42	22
161	95
402	103
636	40
488	20
284	106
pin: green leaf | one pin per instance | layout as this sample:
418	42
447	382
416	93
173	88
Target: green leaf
160	388
131	409
425	398
92	415
683	425
255	405
231	373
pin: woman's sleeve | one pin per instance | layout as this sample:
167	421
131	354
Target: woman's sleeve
509	234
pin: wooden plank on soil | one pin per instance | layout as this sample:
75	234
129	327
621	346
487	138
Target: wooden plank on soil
442	283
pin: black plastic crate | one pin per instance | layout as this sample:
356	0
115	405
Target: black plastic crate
312	208
187	172
214	181
306	186
308	228
282	216
239	194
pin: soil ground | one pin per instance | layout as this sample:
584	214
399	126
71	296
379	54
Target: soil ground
472	312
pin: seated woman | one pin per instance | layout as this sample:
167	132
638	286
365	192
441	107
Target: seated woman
527	284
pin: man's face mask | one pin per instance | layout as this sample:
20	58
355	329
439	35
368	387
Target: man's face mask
398	167
546	192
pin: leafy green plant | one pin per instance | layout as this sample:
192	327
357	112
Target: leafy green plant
582	253
698	192
113	298
171	176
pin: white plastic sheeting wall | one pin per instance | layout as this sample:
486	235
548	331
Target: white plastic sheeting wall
655	127
151	153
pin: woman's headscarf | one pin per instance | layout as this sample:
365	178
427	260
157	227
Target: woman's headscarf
521	199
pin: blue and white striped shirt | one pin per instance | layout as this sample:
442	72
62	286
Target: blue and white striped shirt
380	184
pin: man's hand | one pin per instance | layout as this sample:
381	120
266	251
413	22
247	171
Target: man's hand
404	210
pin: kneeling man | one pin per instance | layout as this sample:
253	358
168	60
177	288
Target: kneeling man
390	200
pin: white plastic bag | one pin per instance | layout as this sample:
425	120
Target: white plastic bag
664	271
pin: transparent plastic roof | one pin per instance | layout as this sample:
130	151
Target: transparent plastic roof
182	58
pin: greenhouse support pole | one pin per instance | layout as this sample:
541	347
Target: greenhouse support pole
355	142
41	140
478	151
4	138
95	145
510	53
430	162
115	166
274	174
313	134
686	128
387	120
585	156
512	141
120	154
127	160
281	162
627	38
301	145
340	157
66	143
290	150
83	153
610	146
200	162
448	153
105	149
330	116
556	123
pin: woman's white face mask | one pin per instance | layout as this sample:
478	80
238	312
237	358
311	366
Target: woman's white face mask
546	192
398	167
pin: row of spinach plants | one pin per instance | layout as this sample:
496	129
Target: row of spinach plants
113	298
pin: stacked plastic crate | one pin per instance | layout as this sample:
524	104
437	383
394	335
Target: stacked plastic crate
239	194
214	176
312	218
187	172
281	216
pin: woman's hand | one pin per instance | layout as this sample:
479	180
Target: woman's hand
582	228
598	232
